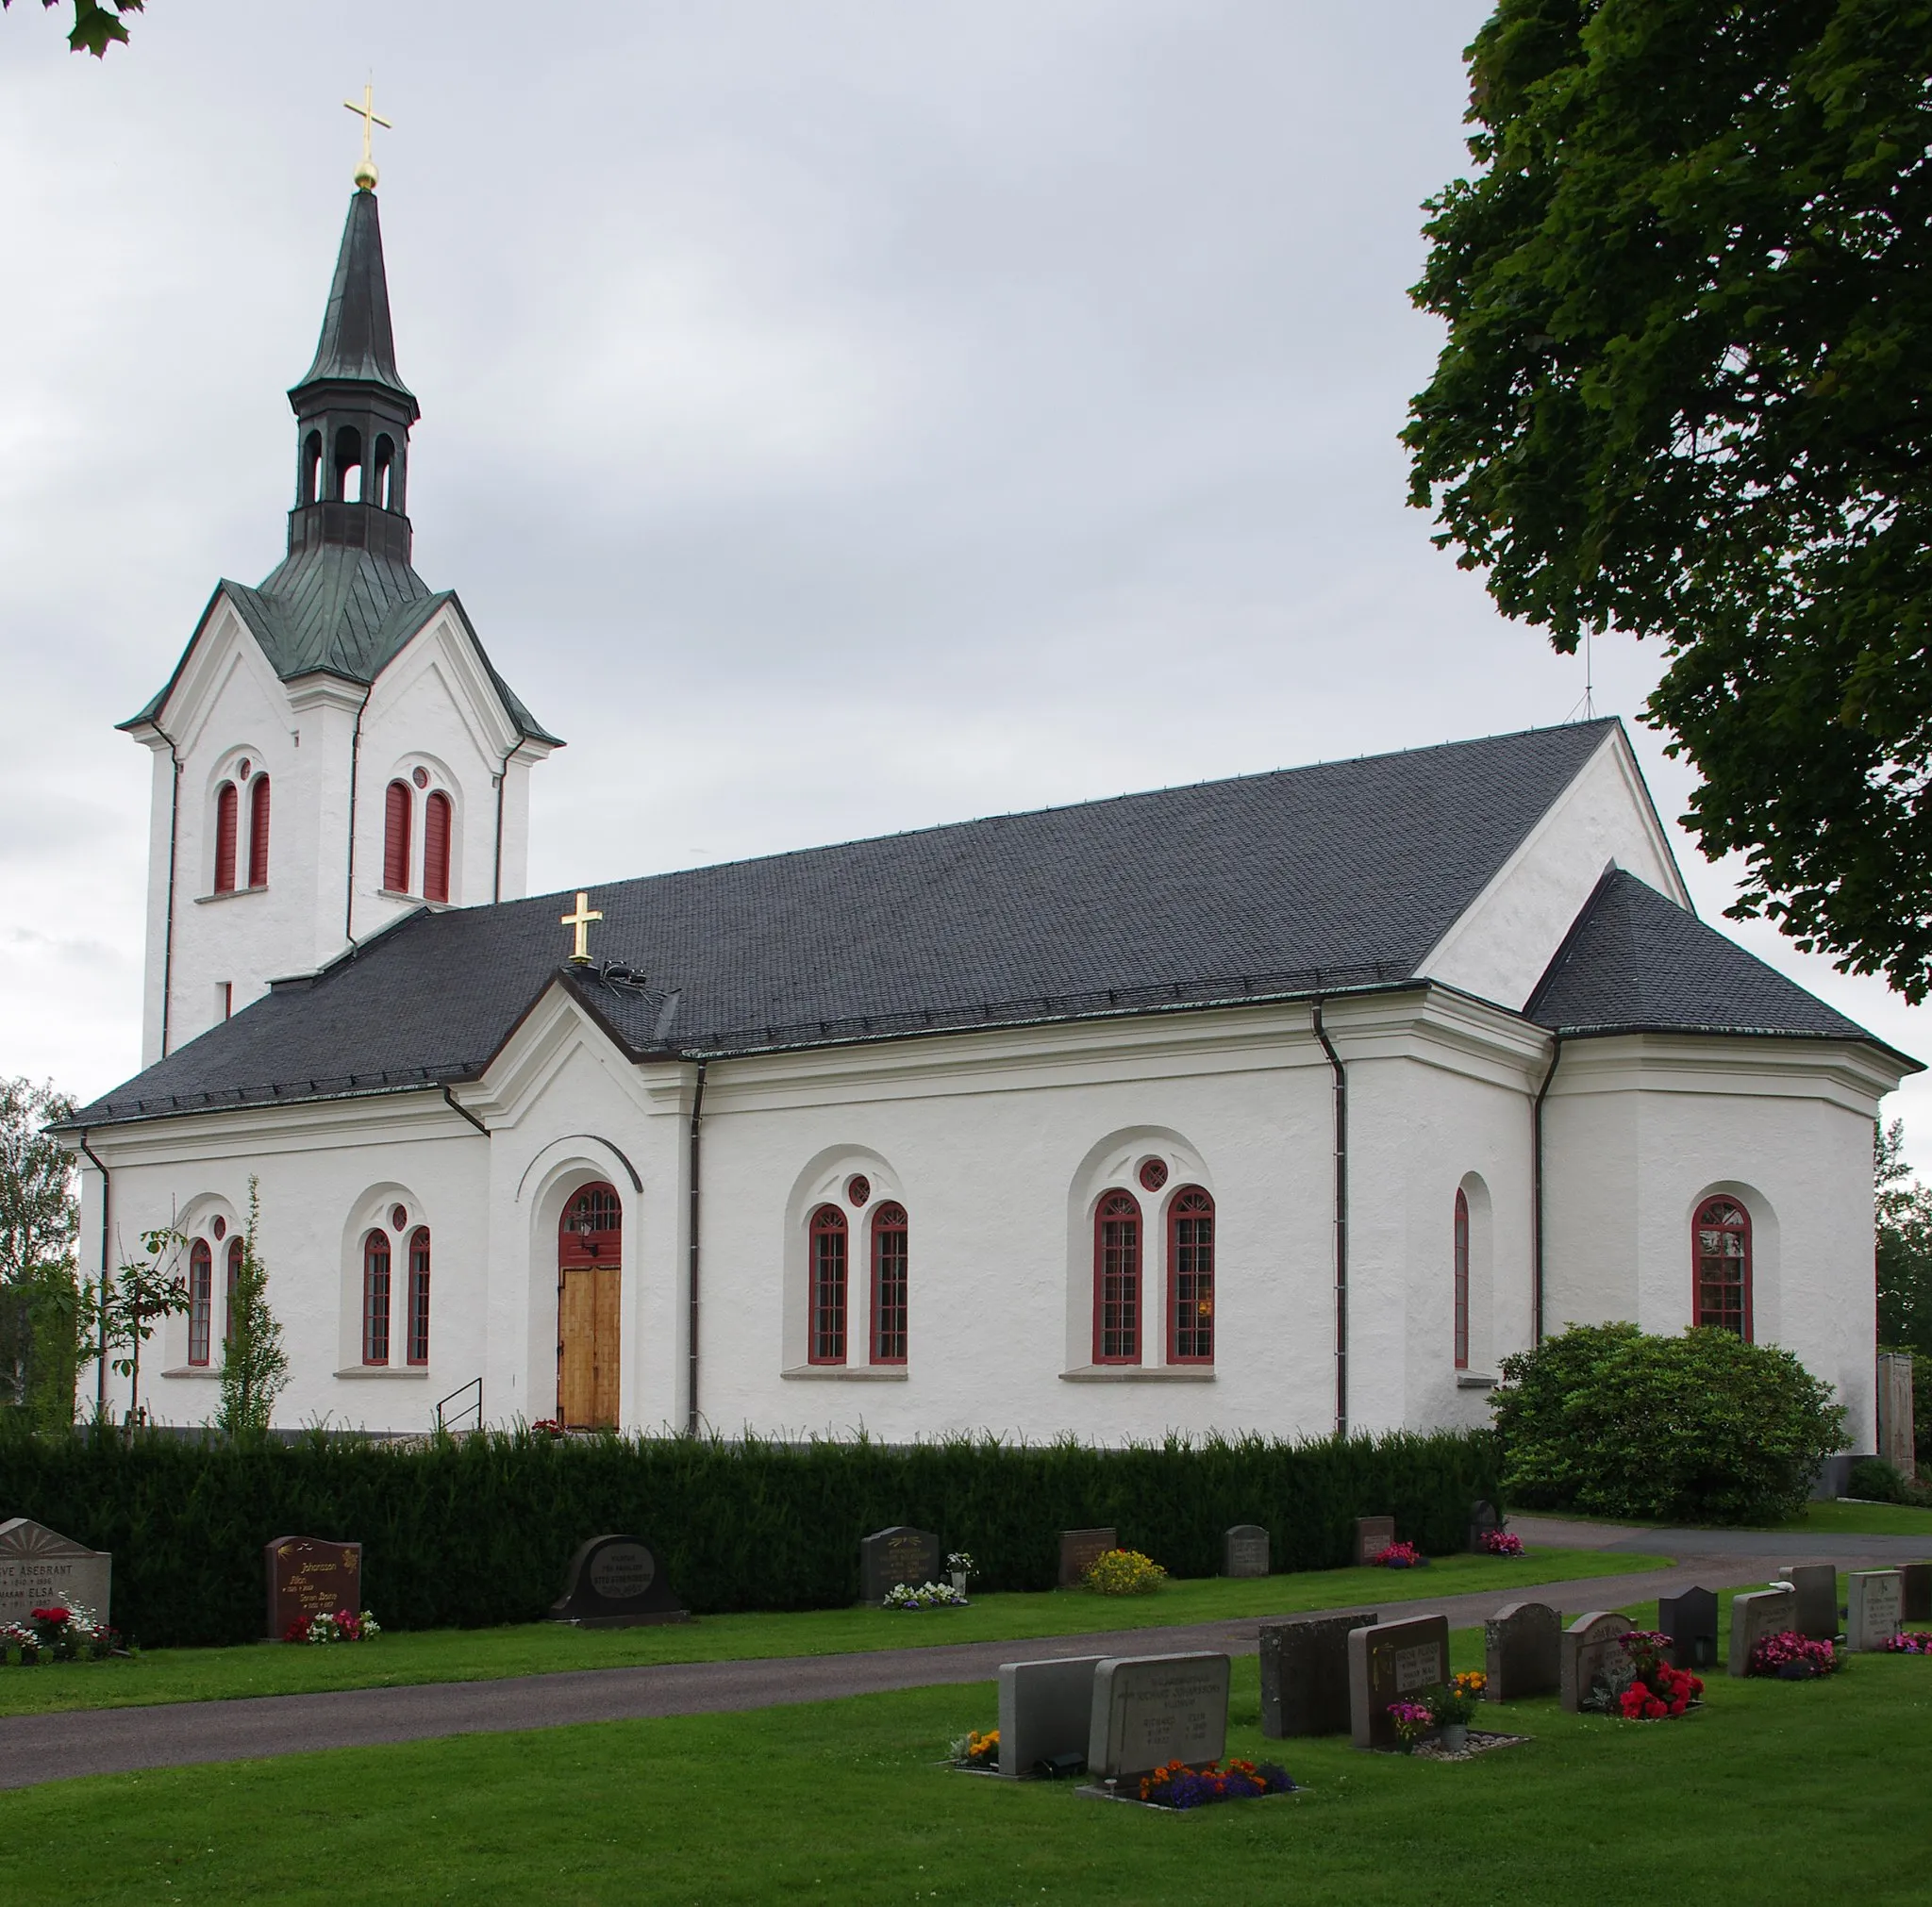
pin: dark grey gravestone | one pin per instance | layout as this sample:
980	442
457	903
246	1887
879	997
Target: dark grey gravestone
1482	1519
1591	1653
1304	1674
1372	1534
40	1568
1817	1587
1393	1662
1046	1710
1690	1619
887	1558
1244	1550
1522	1651
1764	1612
1080	1549
1917	1606
615	1583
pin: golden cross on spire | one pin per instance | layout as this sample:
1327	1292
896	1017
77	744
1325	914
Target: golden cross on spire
365	173
580	922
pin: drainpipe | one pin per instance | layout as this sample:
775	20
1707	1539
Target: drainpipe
1341	1223
168	934
355	758
1536	1191
502	776
101	1309
697	1113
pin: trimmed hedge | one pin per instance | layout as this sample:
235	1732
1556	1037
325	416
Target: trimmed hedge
462	1534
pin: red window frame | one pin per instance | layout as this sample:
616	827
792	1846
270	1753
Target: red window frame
890	1269
437	816
417	1347
1461	1254
227	814
375	1291
1190	1276
1721	1265
234	1279
1117	1278
201	1282
396	837
257	833
591	1231
827	1251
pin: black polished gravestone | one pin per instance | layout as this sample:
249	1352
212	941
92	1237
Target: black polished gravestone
615	1583
1690	1619
887	1558
1917	1606
1482	1520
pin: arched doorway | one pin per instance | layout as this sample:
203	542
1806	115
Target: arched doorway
589	1275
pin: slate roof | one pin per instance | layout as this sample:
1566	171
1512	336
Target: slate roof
1634	961
1313	878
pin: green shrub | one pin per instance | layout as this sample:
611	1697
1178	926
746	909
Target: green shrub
1124	1572
466	1533
1876	1481
1702	1428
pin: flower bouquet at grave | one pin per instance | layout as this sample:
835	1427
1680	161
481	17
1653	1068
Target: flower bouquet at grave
1792	1657
343	1626
927	1596
1177	1785
59	1633
1399	1556
976	1750
1657	1690
1414	1721
1124	1572
1910	1642
1454	1704
1501	1543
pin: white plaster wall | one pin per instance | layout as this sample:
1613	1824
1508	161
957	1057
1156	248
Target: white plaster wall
1499	949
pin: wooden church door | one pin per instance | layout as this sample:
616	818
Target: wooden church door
589	1275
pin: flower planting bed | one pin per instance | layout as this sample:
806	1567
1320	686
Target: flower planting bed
58	1633
1181	1789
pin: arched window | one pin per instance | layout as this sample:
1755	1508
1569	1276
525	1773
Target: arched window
1721	1244
201	1294
257	833
1462	1281
395	838
385	462
436	820
591	1231
311	466
375	1298
891	1264
348	485
1190	1277
229	1301
826	1317
1117	1279
419	1296
228	812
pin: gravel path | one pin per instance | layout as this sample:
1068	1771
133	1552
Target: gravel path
47	1747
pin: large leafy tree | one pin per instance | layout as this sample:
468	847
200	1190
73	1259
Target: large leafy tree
1687	393
96	22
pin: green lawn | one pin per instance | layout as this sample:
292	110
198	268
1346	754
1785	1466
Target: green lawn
1837	1519
535	1649
1776	1791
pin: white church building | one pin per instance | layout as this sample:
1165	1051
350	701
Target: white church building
1282	1104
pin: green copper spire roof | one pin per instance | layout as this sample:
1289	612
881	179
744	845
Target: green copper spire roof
358	344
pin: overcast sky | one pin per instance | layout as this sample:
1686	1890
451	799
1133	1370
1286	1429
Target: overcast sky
839	416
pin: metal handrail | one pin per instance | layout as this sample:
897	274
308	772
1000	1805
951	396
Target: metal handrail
445	1423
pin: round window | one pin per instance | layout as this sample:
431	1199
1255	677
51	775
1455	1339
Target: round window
220	1228
1154	1174
419	776
398	1218
859	1188
242	768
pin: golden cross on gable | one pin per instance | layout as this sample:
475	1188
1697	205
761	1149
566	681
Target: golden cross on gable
366	113
580	922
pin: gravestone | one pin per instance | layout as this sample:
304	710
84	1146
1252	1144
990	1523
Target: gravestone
40	1568
309	1577
1764	1612
1917	1606
1590	1654
1522	1651
1690	1619
1244	1550
1080	1549
1389	1662
1149	1709
1875	1599
1046	1710
1304	1674
890	1557
1482	1519
615	1583
1817	1587
1372	1534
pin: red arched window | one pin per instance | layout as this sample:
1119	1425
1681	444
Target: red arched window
592	1229
827	1298
1462	1281
201	1298
1117	1279
891	1263
436	820
234	1279
375	1298
228	812
257	833
1721	1244
419	1296
1190	1277
395	838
